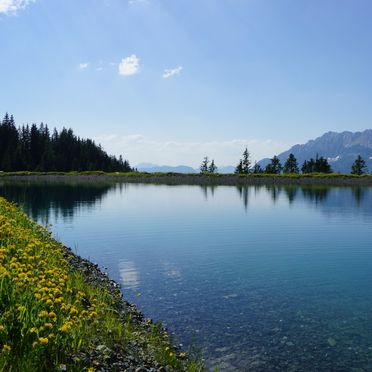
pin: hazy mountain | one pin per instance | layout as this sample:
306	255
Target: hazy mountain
226	169
340	149
153	168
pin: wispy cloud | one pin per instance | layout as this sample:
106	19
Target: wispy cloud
12	6
171	72
83	66
129	65
138	148
138	2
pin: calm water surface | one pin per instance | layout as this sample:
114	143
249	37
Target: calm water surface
257	278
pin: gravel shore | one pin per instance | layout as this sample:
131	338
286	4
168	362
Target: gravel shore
201	179
132	358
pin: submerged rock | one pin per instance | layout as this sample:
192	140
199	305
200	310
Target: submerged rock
332	342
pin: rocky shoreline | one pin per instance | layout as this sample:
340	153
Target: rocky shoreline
104	359
202	179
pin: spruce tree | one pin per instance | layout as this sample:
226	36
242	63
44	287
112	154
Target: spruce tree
204	165
212	167
34	149
274	167
239	168
290	166
359	166
244	166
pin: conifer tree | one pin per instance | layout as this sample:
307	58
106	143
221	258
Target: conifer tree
239	167
244	166
274	167
204	165
34	149
359	166
290	166
212	167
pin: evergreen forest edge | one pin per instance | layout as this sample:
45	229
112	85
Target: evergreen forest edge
33	149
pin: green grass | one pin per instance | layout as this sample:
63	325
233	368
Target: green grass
49	313
170	174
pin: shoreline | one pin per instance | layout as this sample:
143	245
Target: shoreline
72	316
104	358
197	179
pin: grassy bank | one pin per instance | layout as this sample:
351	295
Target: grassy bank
59	312
200	179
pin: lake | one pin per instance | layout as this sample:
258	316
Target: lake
257	278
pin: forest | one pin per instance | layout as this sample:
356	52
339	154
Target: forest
34	148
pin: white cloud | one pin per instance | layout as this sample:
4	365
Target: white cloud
137	149
12	6
83	66
129	65
171	72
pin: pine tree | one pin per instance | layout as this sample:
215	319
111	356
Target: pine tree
319	165
290	166
244	166
239	168
34	149
274	167
212	167
359	166
204	165
246	163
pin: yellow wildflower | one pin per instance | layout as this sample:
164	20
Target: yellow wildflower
43	340
6	348
53	315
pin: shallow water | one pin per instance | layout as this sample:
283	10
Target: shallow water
257	278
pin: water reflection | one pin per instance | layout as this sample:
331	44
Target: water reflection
42	199
316	194
129	275
61	199
244	194
326	198
208	190
262	278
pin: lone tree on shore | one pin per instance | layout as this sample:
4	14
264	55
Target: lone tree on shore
359	166
204	165
212	167
244	166
291	166
274	167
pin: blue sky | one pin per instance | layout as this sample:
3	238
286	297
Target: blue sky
170	81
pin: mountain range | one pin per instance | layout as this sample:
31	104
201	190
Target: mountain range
340	149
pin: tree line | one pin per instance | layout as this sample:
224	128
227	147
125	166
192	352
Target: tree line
291	166
34	148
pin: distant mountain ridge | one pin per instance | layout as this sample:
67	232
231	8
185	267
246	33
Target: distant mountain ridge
340	149
154	168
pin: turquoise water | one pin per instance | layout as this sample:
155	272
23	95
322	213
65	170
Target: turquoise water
256	278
